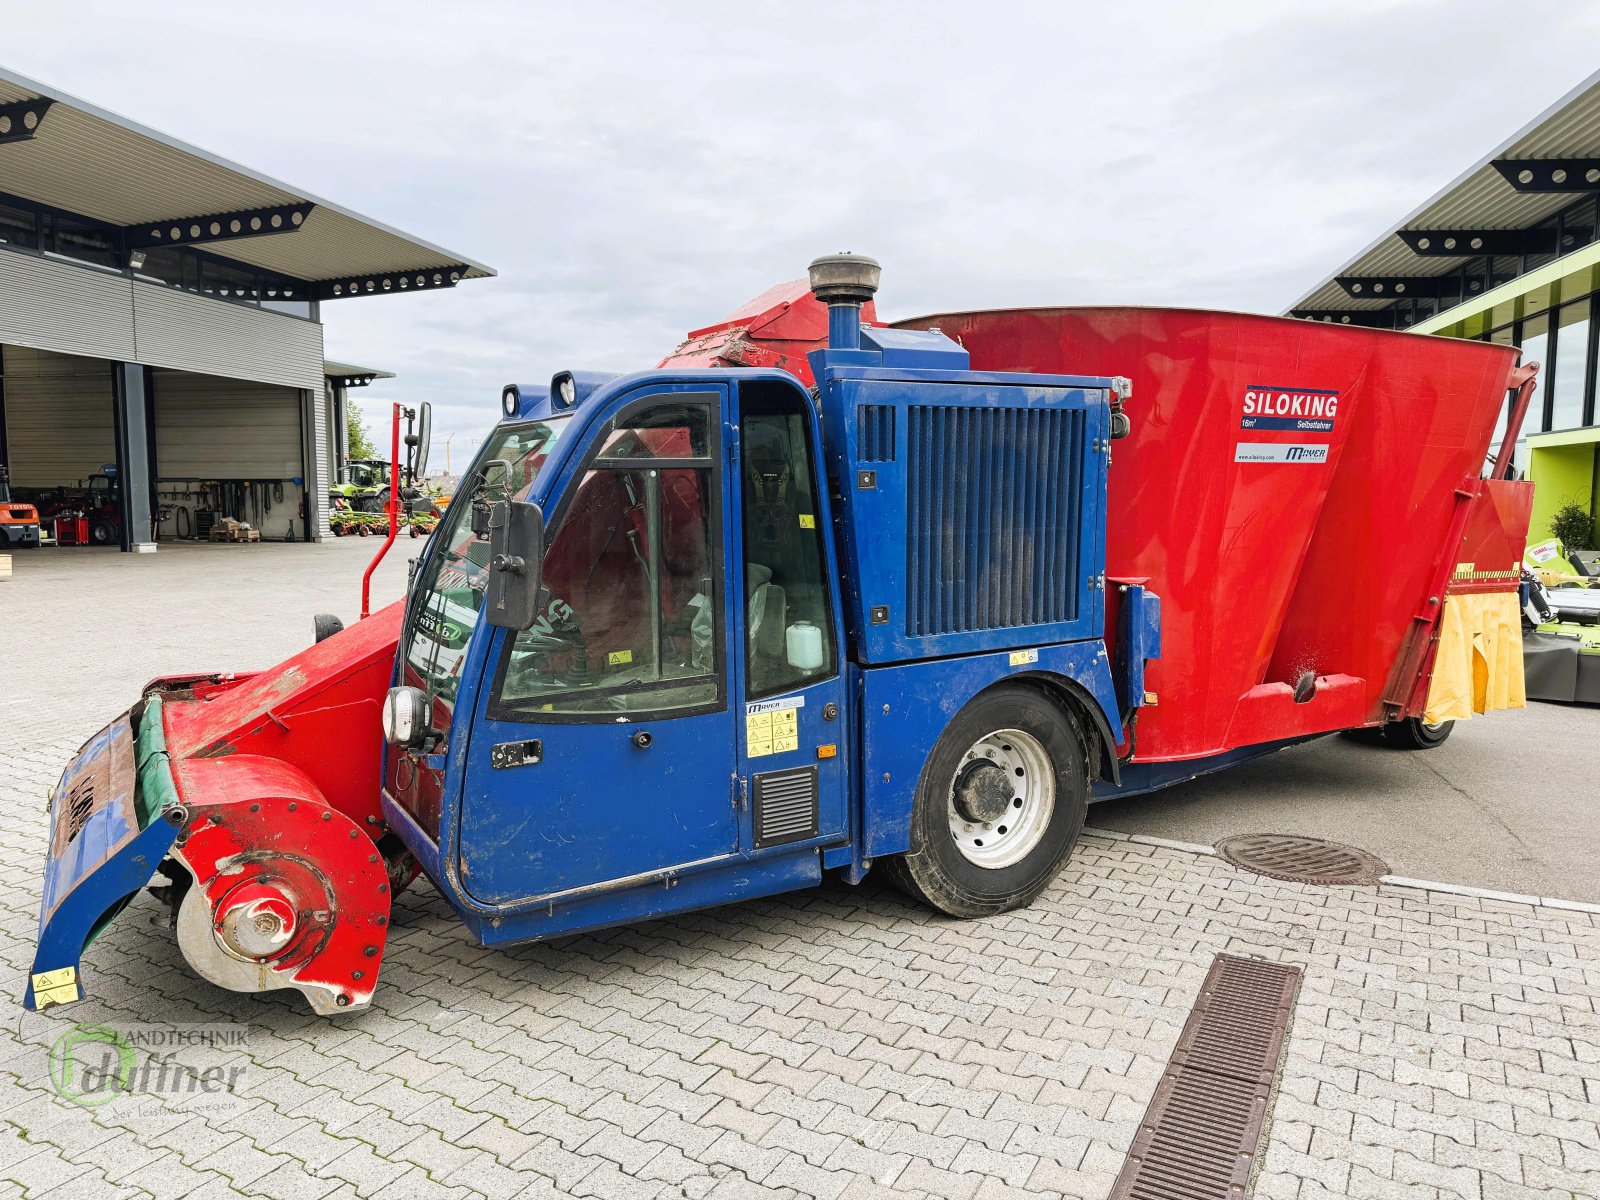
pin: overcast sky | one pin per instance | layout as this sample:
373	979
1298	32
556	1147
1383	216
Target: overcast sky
634	171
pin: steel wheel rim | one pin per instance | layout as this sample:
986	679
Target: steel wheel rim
1010	838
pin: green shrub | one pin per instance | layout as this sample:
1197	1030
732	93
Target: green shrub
1574	527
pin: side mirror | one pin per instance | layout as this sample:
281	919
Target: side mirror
516	558
417	442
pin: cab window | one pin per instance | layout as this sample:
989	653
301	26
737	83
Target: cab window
631	623
448	596
789	626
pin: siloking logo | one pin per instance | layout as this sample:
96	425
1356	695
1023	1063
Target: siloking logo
1300	410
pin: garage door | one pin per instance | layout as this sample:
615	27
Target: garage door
58	416
209	429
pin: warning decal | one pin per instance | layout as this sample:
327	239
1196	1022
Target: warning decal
772	726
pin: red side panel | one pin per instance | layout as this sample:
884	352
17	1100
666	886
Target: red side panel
1288	490
319	712
1497	535
776	329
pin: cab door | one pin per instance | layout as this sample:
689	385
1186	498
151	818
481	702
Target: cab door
603	749
793	729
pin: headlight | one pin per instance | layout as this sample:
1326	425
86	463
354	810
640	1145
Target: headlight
510	402
405	717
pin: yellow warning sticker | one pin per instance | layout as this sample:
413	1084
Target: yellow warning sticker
55	987
619	658
775	731
808	521
1021	658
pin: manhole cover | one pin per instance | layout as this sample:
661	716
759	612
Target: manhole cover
1301	859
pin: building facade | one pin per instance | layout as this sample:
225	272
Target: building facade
1509	252
161	336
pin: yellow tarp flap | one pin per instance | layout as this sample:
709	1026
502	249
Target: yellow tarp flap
1479	666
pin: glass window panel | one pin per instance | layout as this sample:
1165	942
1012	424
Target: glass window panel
1577	225
787	623
1450	291
1476	277
672	430
452	583
19	227
631	624
164	266
1571	374
85	242
1543	237
230	282
1535	342
1501	337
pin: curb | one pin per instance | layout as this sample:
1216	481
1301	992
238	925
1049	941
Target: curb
1398	881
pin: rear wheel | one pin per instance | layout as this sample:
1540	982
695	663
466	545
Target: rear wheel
999	806
1413	733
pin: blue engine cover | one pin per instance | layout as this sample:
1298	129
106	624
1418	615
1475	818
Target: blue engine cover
972	505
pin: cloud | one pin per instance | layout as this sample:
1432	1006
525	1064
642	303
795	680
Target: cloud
635	171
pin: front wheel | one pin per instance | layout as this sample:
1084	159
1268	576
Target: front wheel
1413	733
999	806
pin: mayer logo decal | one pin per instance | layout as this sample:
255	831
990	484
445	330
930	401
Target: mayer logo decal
1280	452
1302	410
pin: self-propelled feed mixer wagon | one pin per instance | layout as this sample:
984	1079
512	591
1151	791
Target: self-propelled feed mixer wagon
820	594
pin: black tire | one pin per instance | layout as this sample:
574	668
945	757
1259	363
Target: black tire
325	625
1412	733
935	870
102	533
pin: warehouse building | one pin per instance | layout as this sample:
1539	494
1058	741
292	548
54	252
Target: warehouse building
1510	253
161	338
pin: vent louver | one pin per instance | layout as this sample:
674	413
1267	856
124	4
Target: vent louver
785	806
875	432
992	529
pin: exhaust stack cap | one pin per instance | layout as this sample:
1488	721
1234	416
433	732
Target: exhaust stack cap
844	278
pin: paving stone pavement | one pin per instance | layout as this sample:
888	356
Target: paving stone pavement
835	1043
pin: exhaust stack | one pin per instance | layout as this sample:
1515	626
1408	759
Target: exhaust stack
844	282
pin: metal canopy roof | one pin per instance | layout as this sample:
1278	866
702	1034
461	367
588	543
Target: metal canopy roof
1480	198
341	371
86	160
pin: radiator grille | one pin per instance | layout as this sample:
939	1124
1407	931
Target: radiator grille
875	432
785	806
992	535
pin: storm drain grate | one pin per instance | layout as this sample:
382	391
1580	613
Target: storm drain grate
1199	1137
1301	859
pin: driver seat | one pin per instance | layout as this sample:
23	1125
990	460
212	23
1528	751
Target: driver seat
767	611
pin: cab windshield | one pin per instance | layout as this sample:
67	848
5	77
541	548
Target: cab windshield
365	475
449	590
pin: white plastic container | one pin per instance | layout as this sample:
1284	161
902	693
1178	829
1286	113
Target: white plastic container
804	641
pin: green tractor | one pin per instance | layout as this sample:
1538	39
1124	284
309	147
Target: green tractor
365	487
